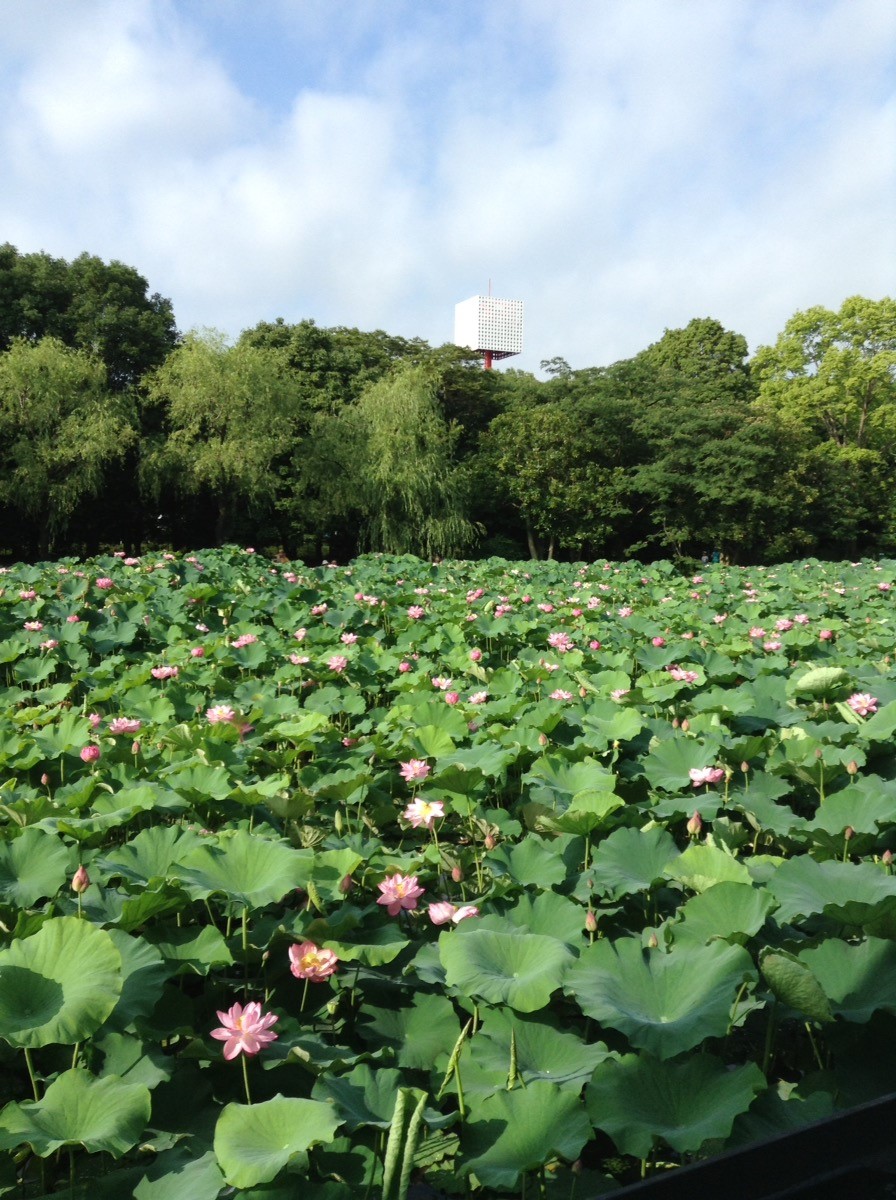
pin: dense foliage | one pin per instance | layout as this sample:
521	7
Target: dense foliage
478	874
330	442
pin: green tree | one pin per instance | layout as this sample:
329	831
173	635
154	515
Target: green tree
390	465
103	308
229	417
60	431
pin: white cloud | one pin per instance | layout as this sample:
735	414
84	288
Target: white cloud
621	167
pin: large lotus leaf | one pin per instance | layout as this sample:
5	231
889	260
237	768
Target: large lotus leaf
858	978
515	968
546	913
143	971
772	1115
191	948
818	682
329	870
864	807
631	860
639	1101
794	984
200	781
880	727
418	1034
669	763
726	910
59	985
533	862
538	1047
429	741
850	892
664	1002
177	1174
380	945
33	865
254	1142
702	867
248	870
508	1133
365	1097
554	780
99	1114
151	854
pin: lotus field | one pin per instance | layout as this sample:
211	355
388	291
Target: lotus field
491	879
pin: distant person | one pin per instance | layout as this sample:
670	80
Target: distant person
716	556
704	557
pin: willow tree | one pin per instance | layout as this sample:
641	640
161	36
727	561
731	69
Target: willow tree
60	429
228	417
397	470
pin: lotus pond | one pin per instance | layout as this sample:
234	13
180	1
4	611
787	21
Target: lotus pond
505	880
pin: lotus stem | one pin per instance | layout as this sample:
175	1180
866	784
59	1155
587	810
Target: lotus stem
393	1145
246	1078
31	1075
411	1142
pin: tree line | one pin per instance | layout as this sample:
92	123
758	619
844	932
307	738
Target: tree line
118	431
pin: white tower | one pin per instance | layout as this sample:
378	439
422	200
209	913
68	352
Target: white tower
490	326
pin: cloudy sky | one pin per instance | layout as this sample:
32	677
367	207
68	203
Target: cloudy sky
619	165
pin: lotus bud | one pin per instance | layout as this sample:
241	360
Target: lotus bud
590	921
852	767
695	825
490	842
675	723
542	739
818	752
685	725
887	858
346	883
745	767
135	747
80	881
45	780
457	873
653	941
848	833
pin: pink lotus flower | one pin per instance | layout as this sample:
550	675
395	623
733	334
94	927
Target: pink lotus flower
34	626
444	911
95	720
825	635
197	652
49	644
299	634
414	770
594	644
771	646
90	754
104	583
618	693
348	639
783	625
680	675
164	672
626	611
658	641
478	697
415	612
452	697
560	641
441	683
299	660
220	714
757	632
404	667
560	694
28	594
318	610
862	703
308	961
424	813
701	775
398	892
475	654
245	639
125	725
337	662
245	1030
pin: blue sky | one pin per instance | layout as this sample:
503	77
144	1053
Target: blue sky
620	165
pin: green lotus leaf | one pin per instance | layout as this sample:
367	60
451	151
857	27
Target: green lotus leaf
515	968
151	854
867	806
669	763
725	910
188	948
702	867
794	984
631	860
508	1133
820	682
847	891
254	1142
143	972
547	913
419	1033
365	1097
531	862
539	1047
59	985
33	866
100	1114
639	1101
177	1174
858	979
249	871
772	1115
664	1002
